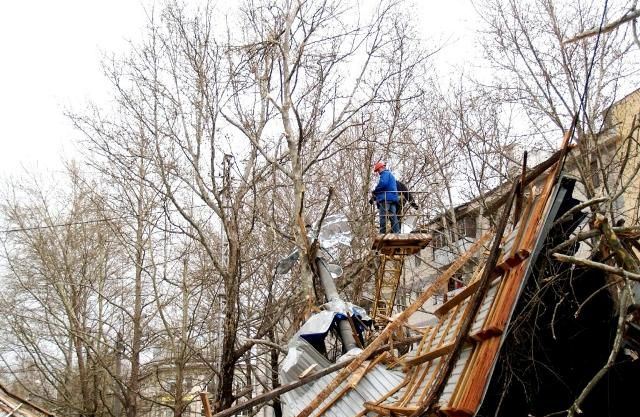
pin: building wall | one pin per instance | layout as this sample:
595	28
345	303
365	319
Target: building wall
624	117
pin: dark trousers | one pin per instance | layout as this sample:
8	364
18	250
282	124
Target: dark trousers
388	211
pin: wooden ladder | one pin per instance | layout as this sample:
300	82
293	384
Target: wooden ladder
387	282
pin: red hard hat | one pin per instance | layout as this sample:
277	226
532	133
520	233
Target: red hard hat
379	166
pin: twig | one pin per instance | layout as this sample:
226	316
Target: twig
324	214
272	345
553	317
589	234
593	294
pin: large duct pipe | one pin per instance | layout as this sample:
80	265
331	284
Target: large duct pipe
344	327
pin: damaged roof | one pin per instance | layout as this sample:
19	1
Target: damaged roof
452	366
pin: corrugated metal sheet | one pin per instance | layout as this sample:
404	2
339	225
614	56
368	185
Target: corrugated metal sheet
487	303
456	373
300	356
375	384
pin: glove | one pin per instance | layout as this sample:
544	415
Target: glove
371	200
414	205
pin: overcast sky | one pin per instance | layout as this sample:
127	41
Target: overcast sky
51	52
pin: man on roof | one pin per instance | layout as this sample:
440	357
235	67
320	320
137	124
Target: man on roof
386	196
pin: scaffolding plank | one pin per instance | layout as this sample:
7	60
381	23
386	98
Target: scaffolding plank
404	243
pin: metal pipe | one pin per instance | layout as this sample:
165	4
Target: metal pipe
344	327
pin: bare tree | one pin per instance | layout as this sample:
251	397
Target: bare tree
553	80
56	307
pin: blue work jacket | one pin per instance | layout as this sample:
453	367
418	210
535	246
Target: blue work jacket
386	188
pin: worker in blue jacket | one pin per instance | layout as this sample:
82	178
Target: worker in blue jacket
386	196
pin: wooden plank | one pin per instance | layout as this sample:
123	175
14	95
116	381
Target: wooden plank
523	224
464	378
433	377
456	412
442	350
381	410
495	305
414	372
335	399
473	285
420	372
410	394
401	243
307	371
384	397
487	355
520	256
512	283
451	320
465	314
389	410
457	299
486	333
206	407
363	369
441	363
463	311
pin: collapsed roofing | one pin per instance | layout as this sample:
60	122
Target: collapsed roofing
451	368
431	375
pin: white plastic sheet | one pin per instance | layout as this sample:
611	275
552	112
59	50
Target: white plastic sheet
335	231
409	223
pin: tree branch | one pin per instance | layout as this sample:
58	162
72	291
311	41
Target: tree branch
629	16
597	265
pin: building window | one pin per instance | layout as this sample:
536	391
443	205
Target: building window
438	239
467	227
437	242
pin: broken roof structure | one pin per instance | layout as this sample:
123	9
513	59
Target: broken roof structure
453	362
451	368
